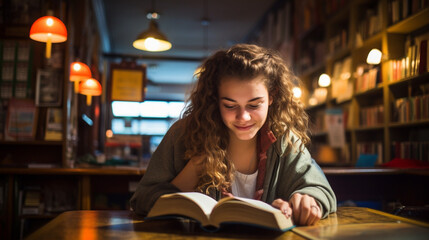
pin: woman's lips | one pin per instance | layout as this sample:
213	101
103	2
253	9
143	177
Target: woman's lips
244	128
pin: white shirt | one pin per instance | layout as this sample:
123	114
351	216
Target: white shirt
244	185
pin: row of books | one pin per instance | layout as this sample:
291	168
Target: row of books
414	63
369	79
49	199
312	13
417	150
372	116
401	9
411	109
277	27
375	148
342	87
371	23
338	41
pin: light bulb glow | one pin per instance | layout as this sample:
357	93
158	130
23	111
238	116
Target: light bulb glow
49	22
374	57
296	92
151	44
324	80
76	66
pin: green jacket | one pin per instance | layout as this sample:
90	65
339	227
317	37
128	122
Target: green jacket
285	175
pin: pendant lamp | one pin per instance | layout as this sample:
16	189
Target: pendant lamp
48	29
90	87
78	72
152	40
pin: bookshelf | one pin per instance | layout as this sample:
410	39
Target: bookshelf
384	106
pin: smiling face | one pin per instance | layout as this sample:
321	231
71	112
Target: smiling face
243	106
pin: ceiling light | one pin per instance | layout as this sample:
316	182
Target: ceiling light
152	39
90	87
79	71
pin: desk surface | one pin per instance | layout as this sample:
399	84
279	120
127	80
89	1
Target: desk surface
348	222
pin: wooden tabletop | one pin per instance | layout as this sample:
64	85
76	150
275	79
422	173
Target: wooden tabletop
348	222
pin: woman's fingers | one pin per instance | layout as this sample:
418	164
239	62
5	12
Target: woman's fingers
283	206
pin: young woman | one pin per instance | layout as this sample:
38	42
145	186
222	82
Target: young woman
242	134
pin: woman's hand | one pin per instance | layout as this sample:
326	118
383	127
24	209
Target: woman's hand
187	179
303	208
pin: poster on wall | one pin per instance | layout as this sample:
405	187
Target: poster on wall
128	82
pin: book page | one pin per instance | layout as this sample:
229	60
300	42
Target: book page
256	203
205	202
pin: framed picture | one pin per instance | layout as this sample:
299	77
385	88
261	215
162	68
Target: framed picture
21	120
54	126
49	88
128	82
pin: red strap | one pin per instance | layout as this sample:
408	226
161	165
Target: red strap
265	139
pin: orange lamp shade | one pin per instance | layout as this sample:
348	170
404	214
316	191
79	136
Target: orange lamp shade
79	71
90	87
48	29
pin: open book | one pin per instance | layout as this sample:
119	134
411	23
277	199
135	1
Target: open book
209	212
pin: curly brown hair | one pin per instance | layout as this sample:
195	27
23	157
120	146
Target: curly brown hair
206	134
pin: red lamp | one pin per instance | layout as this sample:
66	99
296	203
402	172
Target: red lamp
78	72
48	29
90	87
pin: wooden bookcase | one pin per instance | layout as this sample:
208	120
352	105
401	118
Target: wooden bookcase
327	34
55	190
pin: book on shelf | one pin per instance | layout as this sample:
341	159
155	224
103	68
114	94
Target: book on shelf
417	150
212	214
370	148
31	201
371	116
411	109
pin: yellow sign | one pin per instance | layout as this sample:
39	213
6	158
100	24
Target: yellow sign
127	85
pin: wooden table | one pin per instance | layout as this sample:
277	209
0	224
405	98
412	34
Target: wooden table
347	223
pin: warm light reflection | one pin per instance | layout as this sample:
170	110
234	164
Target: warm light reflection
296	92
109	133
324	80
87	228
312	101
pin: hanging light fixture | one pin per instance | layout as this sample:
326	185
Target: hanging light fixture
48	29
78	72
152	40
90	87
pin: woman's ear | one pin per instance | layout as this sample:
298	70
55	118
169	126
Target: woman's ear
270	100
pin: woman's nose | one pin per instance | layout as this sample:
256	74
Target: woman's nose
243	115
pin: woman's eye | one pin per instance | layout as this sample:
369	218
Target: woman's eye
254	106
229	106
